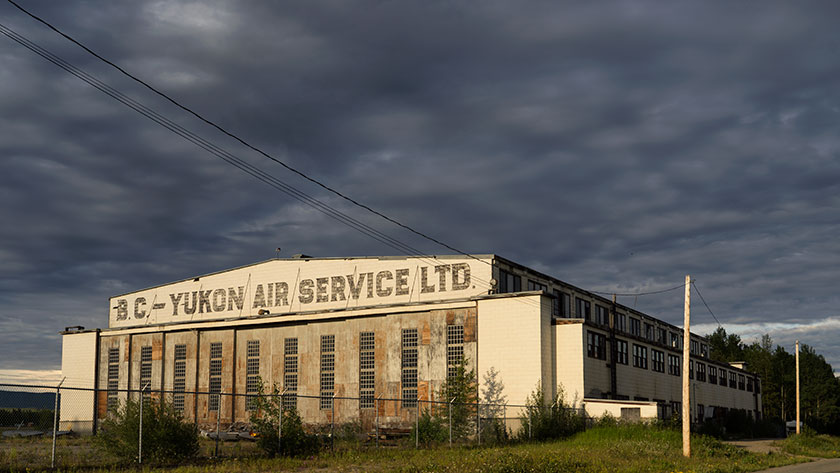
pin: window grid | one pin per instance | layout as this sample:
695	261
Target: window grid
640	359
145	370
536	286
179	383
635	327
596	345
732	379
621	352
113	377
454	349
583	310
741	379
215	383
290	372
674	365
701	371
657	360
602	315
713	377
367	370
409	367
252	374
327	370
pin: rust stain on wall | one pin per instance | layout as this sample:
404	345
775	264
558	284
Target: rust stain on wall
470	326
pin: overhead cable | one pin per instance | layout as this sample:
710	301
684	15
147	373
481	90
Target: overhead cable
242	141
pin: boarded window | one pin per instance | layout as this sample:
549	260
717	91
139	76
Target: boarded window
367	370
409	367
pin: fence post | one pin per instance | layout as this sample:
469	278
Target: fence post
280	424
55	421
218	422
504	418
478	421
332	423
450	422
417	425
530	422
140	438
376	407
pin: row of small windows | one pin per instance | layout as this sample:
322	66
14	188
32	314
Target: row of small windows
367	374
562	307
596	348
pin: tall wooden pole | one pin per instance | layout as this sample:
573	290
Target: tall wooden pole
686	397
797	387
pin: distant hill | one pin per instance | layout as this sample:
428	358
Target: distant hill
27	400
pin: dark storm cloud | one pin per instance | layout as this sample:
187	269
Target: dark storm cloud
615	145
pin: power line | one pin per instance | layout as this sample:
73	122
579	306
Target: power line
704	303
240	140
631	294
222	154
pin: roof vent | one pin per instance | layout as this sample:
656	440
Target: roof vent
301	256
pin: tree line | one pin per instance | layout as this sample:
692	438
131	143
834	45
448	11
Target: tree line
819	388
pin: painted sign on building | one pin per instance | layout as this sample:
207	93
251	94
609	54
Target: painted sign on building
300	285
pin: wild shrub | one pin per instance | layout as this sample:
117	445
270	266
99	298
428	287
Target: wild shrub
549	419
430	429
167	438
295	441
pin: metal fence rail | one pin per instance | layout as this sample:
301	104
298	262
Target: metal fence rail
50	425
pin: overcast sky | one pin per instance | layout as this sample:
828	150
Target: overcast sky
615	145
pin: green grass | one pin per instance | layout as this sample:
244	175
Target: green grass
811	445
626	448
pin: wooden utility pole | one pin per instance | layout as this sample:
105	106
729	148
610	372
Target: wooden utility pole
686	397
797	387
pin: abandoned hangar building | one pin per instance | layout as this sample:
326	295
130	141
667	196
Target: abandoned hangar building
389	327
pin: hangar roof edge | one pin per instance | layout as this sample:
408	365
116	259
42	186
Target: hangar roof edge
307	258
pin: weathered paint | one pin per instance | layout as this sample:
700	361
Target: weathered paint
295	285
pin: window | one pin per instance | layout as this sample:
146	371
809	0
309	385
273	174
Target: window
661	335
602	316
596	345
722	377
676	407
701	412
674	365
732	379
690	369
695	350
704	350
583	309
635	327
621	322
113	377
657	360
535	286
145	370
649	331
409	367
454	349
621	352
252	373
215	375
290	372
367	370
640	359
327	370
179	372
701	371
675	340
508	282
750	384
741	384
562	305
757	385
713	374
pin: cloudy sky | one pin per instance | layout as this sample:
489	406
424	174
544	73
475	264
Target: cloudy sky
616	145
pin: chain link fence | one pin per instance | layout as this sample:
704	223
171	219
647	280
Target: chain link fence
43	426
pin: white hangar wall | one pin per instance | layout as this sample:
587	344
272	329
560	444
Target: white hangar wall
536	331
